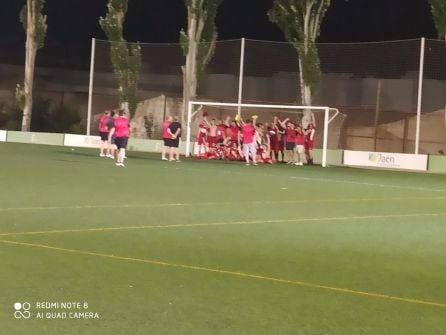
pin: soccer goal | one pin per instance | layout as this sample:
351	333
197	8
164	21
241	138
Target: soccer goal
327	120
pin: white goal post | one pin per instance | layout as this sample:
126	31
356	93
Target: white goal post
325	109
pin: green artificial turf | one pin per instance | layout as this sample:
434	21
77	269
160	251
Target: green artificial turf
202	247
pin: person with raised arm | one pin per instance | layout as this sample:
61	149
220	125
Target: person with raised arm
249	141
290	140
202	135
309	142
299	150
263	143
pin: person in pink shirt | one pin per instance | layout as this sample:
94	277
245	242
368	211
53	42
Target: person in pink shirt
103	132
166	137
121	136
249	142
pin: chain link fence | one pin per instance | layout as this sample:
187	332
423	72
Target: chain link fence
375	85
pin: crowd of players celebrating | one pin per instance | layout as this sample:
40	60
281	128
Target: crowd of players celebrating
282	141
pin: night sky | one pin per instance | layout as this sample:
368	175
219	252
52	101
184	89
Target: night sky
72	23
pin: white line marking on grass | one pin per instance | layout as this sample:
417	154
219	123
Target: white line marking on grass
229	223
232	273
200	204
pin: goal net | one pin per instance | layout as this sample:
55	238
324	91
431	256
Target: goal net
326	120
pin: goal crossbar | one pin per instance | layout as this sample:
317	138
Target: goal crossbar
325	109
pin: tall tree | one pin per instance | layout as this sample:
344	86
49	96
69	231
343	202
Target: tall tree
300	21
34	24
438	8
125	57
198	44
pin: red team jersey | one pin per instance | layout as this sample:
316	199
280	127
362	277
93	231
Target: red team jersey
103	123
276	139
248	131
221	132
290	135
166	125
202	133
233	133
121	127
309	138
300	138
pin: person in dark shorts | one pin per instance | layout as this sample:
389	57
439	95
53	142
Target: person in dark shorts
122	129
111	137
103	132
174	141
166	137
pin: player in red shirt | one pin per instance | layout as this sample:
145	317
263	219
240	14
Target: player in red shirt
166	137
232	150
221	132
276	138
122	130
309	142
290	139
233	132
103	132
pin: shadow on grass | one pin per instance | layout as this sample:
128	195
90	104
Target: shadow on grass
156	157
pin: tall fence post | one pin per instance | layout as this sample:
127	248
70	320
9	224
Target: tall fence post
90	88
377	109
189	119
241	75
420	96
